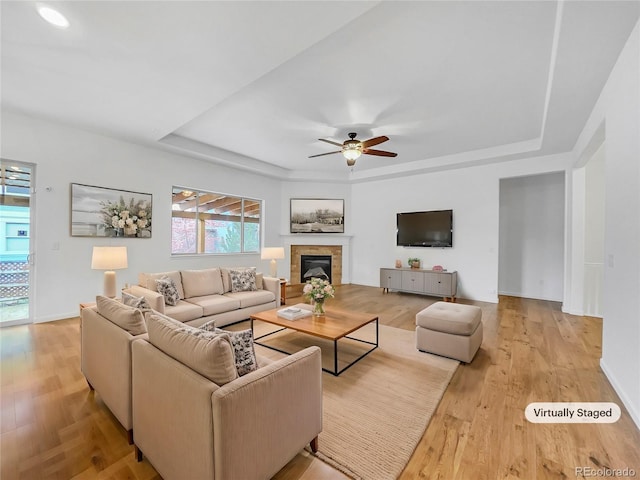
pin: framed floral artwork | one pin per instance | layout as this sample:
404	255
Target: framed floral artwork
107	212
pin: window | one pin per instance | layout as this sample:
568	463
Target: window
207	222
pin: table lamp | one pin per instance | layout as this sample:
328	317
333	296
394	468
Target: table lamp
109	259
272	253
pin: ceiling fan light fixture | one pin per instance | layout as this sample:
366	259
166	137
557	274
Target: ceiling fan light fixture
53	16
351	162
351	151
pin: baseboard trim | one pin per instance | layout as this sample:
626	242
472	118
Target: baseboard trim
631	408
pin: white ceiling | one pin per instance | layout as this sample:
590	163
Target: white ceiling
255	84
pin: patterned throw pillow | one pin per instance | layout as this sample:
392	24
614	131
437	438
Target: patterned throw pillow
243	351
243	280
135	302
168	289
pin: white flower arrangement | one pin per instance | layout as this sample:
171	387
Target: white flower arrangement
318	290
134	219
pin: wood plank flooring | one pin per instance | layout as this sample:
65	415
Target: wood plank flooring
52	426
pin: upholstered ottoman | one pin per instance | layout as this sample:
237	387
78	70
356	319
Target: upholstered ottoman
450	329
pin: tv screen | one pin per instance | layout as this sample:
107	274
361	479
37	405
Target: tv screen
425	229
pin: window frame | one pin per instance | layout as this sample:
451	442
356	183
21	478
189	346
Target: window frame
200	230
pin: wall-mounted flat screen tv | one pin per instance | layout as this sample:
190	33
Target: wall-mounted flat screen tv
425	229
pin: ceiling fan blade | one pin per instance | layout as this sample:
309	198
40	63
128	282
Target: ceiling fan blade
322	154
380	153
374	141
331	142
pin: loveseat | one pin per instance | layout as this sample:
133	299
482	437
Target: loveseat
226	295
195	418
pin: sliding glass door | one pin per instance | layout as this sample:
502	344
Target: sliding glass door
16	240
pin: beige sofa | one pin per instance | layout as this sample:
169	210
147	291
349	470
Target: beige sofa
106	333
207	295
241	428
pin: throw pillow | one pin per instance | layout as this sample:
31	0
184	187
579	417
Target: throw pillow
243	351
135	302
242	342
243	280
167	287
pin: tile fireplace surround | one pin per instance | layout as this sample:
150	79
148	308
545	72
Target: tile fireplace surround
336	260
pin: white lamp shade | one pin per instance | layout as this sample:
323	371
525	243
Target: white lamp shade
271	253
109	258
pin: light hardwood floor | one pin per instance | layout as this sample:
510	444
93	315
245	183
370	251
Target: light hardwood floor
53	426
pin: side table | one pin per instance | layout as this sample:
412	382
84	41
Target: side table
283	291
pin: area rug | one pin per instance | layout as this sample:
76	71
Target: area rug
375	412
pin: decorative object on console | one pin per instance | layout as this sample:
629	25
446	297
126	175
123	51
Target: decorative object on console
414	262
317	215
437	268
272	253
105	212
318	290
109	259
398	263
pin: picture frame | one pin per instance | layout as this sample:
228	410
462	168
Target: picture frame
108	212
317	215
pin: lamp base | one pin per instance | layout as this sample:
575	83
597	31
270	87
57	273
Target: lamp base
110	284
273	268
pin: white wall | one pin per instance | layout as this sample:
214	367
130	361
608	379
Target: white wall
594	200
532	232
619	109
64	155
472	193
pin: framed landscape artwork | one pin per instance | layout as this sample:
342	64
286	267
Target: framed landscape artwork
317	215
106	212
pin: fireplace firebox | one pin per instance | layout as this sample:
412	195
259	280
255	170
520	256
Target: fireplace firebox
315	266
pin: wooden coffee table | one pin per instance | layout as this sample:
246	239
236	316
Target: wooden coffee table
334	325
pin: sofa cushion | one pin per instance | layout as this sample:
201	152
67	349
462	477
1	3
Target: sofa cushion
167	287
243	280
198	283
208	353
184	311
148	280
126	317
251	299
243	350
212	304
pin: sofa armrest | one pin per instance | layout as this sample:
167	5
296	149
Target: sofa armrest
106	362
272	284
154	299
272	412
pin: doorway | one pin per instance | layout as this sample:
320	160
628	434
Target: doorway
532	235
16	242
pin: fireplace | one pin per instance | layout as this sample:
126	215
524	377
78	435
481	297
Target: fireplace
333	270
315	266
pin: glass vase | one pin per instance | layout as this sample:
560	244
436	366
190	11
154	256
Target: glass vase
318	308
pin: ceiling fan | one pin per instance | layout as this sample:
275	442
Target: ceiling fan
351	149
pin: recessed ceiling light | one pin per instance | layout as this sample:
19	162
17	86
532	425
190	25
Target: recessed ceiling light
52	16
